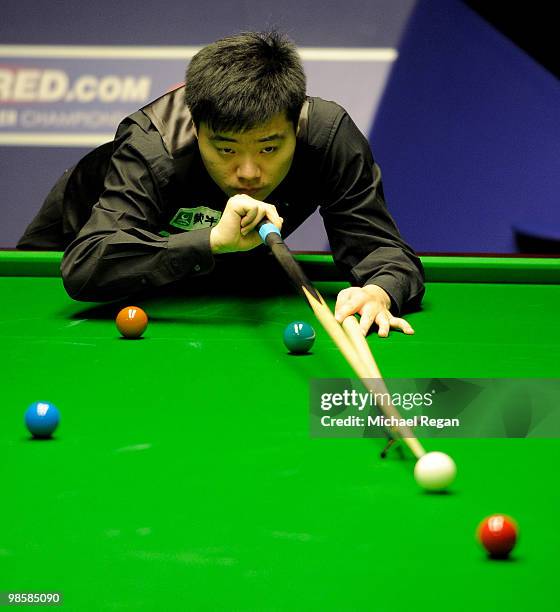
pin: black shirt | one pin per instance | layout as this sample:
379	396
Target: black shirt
137	213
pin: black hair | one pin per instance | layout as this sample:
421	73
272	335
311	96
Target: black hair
242	81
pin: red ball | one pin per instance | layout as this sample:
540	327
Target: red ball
132	322
498	534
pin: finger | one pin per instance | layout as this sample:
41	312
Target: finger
368	315
251	209
366	321
242	203
248	217
384	324
345	306
258	213
344	295
273	215
401	324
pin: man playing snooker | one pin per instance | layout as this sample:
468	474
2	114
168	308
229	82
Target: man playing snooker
189	176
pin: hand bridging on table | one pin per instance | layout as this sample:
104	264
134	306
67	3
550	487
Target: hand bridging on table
372	303
236	229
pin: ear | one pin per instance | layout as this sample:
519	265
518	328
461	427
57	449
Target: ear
195	130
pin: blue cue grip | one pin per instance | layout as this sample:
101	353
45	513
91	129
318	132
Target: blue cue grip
271	236
265	228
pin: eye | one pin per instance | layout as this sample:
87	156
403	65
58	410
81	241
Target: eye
268	150
226	150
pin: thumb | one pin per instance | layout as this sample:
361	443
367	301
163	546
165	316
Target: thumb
344	310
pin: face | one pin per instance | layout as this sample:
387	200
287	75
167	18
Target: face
254	162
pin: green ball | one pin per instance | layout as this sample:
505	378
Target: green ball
299	337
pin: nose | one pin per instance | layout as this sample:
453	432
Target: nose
248	170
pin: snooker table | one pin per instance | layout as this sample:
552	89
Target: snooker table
183	476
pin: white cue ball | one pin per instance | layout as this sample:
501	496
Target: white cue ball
435	471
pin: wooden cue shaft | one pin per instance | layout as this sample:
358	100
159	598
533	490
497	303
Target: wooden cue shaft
352	329
324	315
332	327
365	373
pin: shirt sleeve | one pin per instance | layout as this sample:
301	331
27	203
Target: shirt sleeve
119	251
364	238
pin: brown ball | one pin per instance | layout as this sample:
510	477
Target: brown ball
132	322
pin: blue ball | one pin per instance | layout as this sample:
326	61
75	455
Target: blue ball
41	418
299	337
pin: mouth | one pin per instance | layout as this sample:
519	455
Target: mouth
247	190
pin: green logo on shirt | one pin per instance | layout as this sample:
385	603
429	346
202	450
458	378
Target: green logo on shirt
200	217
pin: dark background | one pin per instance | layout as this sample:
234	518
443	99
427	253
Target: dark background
467	131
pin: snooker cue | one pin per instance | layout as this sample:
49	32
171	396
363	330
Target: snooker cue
270	235
353	331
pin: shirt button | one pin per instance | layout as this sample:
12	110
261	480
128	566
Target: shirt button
197	268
